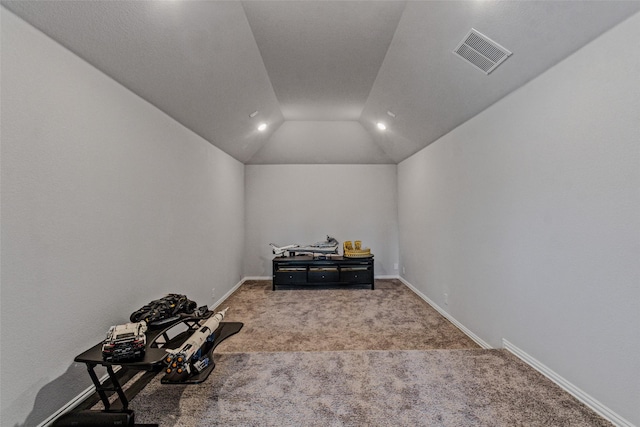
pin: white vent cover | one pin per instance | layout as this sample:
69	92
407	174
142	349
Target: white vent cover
482	52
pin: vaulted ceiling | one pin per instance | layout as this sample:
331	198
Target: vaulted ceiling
320	74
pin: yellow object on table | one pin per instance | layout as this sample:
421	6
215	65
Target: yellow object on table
358	252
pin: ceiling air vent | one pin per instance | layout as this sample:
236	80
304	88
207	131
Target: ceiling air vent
482	52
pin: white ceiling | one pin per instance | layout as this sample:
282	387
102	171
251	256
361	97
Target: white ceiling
322	58
319	73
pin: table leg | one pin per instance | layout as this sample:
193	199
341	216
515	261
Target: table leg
99	388
117	388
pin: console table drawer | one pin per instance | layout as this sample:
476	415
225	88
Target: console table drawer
320	275
305	270
356	275
291	277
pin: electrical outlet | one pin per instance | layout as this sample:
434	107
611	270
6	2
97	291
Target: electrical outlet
404	270
395	266
446	299
213	293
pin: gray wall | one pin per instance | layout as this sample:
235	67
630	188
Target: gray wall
528	217
107	203
303	203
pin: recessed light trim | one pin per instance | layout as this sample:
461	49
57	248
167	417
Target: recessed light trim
262	127
381	126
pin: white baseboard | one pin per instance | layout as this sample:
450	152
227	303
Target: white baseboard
450	318
73	403
232	290
244	279
387	277
576	392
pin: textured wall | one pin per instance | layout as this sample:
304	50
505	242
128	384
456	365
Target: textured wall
303	203
528	217
106	204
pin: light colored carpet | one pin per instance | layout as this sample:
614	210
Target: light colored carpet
390	317
356	357
365	388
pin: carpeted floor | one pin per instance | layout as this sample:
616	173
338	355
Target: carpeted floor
366	388
390	317
356	357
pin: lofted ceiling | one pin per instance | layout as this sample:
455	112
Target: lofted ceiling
320	74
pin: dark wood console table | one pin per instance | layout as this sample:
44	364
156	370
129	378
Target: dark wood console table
309	271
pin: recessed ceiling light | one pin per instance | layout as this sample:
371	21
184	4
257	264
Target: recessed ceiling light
381	126
252	115
391	114
262	126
